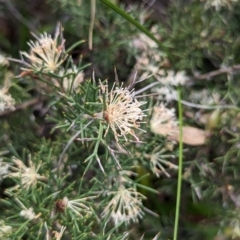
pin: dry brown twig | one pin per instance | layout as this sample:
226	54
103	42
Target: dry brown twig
208	76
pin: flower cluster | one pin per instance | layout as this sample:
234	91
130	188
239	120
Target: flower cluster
125	206
46	54
122	111
27	175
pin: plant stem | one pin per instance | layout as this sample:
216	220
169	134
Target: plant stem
180	162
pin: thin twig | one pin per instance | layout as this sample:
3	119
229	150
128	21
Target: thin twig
146	88
200	106
116	77
208	76
133	82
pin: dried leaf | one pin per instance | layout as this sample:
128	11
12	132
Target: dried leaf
191	136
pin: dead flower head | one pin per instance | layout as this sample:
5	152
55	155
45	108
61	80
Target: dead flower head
163	120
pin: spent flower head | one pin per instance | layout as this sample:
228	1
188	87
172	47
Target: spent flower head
122	111
125	206
163	120
27	175
46	53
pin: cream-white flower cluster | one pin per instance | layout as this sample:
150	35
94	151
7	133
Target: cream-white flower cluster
122	111
27	175
125	206
46	53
